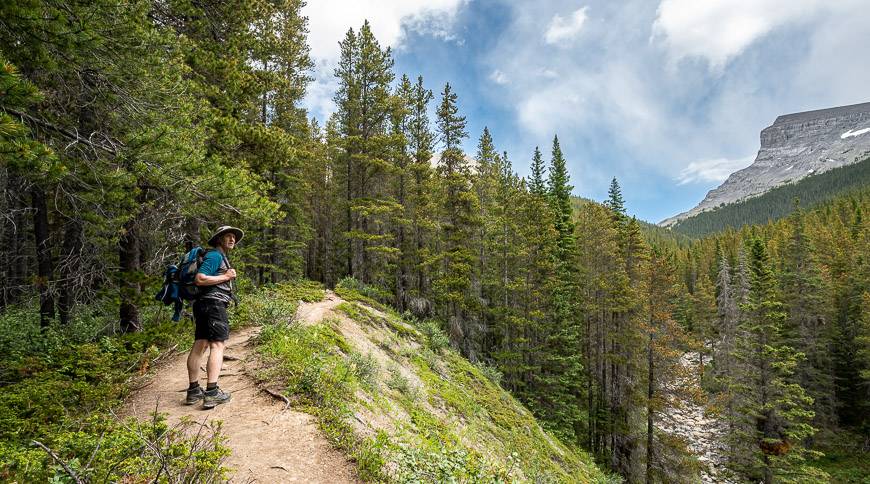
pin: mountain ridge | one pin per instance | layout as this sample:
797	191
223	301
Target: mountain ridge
795	146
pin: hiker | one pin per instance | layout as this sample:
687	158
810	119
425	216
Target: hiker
215	278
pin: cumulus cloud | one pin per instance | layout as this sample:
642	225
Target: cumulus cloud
565	29
715	170
719	30
328	22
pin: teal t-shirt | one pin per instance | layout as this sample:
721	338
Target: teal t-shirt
211	263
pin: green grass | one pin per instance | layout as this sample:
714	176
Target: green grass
845	460
453	425
314	365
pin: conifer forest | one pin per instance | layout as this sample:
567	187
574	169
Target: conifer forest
129	131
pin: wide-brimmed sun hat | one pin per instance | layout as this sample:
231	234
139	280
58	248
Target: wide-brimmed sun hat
213	241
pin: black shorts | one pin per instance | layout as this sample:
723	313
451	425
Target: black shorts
211	320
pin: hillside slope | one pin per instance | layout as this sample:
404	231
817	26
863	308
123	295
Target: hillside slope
779	202
400	403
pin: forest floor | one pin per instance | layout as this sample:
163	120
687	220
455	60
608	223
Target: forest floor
704	434
269	442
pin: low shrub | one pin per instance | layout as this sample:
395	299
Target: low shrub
58	387
436	338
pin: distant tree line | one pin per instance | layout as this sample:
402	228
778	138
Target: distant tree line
778	202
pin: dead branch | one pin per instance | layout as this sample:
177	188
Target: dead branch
57	459
69	134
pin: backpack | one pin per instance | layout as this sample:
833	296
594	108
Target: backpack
178	281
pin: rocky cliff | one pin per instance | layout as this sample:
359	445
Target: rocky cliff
795	146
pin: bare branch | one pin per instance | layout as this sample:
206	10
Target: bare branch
57	459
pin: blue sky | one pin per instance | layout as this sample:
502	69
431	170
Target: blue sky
668	96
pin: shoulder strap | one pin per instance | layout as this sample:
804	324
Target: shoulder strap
232	282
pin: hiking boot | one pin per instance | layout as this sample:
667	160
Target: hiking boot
194	395
212	398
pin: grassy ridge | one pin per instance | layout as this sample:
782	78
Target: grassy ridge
406	407
779	202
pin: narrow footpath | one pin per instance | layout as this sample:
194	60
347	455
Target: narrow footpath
268	442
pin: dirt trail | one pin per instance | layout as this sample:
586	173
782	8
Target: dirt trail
268	443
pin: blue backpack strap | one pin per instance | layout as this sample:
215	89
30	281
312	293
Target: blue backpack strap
179	305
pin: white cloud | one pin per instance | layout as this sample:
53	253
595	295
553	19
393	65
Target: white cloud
329	21
561	29
318	97
719	30
715	170
558	107
498	77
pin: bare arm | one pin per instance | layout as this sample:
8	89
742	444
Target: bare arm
204	280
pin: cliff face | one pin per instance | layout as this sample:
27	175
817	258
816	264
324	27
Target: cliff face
795	146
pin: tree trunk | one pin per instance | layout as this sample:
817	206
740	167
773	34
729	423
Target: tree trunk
45	271
69	269
128	257
14	239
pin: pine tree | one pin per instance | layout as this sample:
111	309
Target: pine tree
460	219
402	161
562	369
364	105
728	314
664	339
615	201
705	318
537	184
421	144
487	279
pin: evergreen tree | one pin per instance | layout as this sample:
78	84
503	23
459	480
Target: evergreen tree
537	184
421	144
364	105
614	199
806	327
460	219
562	370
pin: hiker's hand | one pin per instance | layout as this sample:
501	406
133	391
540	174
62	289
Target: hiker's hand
230	274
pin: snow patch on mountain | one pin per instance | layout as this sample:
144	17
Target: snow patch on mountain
851	133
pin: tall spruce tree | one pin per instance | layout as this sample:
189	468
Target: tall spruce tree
806	327
562	370
537	184
460	219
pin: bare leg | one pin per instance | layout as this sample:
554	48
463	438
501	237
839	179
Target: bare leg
194	359
215	360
